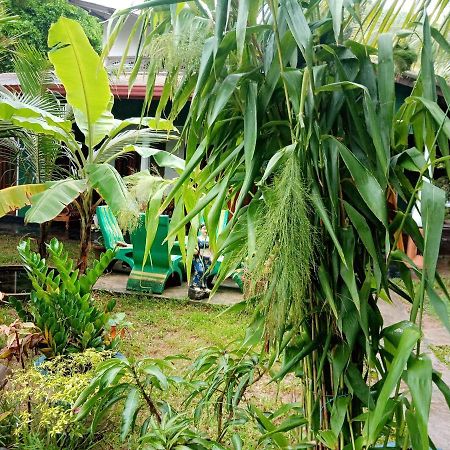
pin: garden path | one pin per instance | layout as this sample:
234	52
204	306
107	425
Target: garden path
114	282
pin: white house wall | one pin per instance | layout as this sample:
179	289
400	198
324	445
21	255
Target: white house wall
120	44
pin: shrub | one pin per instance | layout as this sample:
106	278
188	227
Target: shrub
61	304
42	398
35	19
137	387
220	379
133	382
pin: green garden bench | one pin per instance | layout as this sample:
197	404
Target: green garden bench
159	266
112	235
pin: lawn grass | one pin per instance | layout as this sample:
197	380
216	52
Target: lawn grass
169	327
9	242
159	327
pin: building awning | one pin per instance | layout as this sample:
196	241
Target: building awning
119	86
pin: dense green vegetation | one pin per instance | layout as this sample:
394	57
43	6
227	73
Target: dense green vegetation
288	83
296	122
89	97
34	20
153	328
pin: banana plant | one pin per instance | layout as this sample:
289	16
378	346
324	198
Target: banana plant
295	121
79	69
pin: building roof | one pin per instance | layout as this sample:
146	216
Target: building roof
105	8
119	85
101	11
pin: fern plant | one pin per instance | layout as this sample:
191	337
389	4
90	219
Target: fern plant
61	303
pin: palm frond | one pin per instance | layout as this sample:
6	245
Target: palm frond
143	137
36	155
33	69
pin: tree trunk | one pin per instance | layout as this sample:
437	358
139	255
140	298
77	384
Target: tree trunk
85	232
85	245
42	248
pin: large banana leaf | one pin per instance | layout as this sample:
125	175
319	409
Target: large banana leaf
48	204
84	78
16	197
110	185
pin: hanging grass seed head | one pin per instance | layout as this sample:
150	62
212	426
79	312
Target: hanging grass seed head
128	217
280	269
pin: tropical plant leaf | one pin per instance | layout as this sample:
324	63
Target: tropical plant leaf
129	412
299	28
410	334
365	182
223	95
433	210
109	184
84	78
51	202
419	379
16	197
34	119
386	87
278	438
241	26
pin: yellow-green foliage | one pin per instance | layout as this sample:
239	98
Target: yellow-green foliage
52	389
442	353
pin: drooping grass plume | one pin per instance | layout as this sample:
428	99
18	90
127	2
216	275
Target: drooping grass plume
279	272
